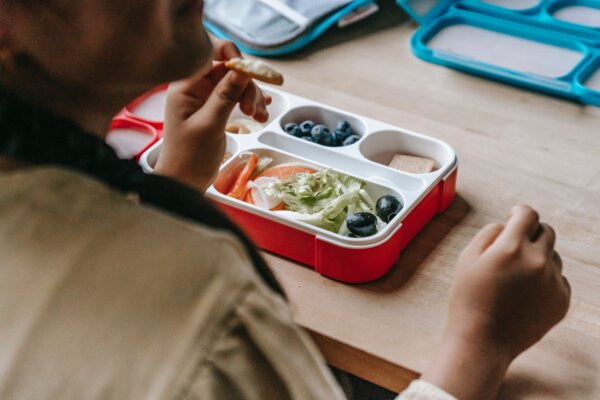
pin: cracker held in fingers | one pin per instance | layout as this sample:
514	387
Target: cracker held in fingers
256	69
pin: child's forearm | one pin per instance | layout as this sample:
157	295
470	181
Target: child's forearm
466	369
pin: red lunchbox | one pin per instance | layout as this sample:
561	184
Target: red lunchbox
339	257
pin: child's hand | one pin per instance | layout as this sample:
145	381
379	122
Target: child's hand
196	115
253	102
508	293
509	289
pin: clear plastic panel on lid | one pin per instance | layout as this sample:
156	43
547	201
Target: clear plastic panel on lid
579	15
506	51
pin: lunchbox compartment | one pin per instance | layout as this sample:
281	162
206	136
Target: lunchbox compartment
233	167
129	138
347	163
149	157
381	147
279	105
321	115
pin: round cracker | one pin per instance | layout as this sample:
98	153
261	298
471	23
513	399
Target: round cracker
244	66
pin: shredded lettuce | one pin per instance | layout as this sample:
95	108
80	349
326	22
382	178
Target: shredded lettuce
322	199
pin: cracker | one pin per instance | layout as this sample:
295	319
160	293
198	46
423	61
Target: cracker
413	164
256	69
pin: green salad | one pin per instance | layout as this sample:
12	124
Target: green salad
322	199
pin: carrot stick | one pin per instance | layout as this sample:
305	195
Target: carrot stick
239	188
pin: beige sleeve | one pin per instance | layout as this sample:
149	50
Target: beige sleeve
261	354
421	390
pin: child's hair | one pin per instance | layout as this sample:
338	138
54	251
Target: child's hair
36	137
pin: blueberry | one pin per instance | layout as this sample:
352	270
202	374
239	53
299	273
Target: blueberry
345	126
351	140
336	142
341	135
297	132
351	235
320	134
307	127
388	207
308	139
362	224
329	139
290	127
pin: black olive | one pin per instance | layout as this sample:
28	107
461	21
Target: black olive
362	224
388	207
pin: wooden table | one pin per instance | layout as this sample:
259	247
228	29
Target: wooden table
514	147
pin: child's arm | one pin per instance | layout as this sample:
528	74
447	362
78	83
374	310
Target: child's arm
509	291
196	115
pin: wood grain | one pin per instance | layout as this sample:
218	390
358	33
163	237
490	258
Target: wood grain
514	147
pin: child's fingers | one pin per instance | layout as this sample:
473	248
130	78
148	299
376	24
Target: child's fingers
557	261
523	223
225	96
566	286
484	239
186	97
202	86
261	115
254	104
183	97
226	50
546	238
248	103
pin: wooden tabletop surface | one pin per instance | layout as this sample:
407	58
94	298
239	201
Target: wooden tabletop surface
514	147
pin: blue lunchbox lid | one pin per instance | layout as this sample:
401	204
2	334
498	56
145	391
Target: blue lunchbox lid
552	46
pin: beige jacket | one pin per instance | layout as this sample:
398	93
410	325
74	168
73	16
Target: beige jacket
101	298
